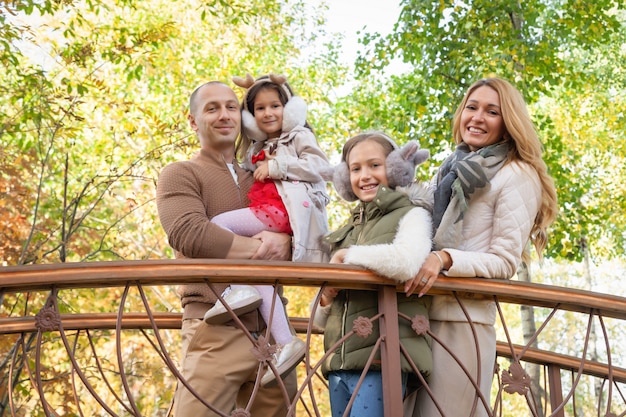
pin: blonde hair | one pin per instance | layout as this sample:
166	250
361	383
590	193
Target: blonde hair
524	146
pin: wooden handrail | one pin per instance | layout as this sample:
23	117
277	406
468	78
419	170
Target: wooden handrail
174	271
131	274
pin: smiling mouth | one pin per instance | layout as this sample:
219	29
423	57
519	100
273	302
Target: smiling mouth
225	130
369	187
475	130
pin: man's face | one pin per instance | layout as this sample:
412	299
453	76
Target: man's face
216	117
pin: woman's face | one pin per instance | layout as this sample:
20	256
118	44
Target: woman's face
366	163
268	112
481	119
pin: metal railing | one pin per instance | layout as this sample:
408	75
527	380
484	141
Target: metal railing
102	338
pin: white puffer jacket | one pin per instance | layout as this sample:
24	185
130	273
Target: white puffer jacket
496	229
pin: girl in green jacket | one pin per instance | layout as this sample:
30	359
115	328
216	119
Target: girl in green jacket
389	232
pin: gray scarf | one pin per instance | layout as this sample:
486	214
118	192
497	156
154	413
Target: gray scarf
458	179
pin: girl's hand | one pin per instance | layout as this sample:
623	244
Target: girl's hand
262	171
328	295
339	256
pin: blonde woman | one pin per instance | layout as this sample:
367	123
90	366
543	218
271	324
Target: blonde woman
492	196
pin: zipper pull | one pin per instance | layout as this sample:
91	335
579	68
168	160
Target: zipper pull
360	220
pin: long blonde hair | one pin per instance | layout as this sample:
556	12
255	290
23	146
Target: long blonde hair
525	146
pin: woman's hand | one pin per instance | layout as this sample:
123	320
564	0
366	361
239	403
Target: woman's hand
426	277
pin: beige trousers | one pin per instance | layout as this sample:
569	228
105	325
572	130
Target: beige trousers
451	387
219	366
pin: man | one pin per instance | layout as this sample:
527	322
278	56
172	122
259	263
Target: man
216	360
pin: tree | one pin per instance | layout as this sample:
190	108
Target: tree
93	105
100	106
567	59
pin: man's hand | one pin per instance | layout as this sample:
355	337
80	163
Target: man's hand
274	246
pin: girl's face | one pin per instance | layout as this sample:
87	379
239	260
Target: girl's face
268	112
366	162
481	119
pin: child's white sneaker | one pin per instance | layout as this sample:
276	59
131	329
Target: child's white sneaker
241	299
287	358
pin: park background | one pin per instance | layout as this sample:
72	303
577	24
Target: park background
94	96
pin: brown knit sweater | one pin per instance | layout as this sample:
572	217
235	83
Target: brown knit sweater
189	194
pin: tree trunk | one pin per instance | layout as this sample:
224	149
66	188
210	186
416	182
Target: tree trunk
529	328
593	337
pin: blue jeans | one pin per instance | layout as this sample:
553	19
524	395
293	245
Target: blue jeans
369	399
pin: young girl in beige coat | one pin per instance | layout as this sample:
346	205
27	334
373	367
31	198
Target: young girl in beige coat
288	196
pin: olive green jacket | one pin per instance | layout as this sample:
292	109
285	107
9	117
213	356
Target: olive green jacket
377	223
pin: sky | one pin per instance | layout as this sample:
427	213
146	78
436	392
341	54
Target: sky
350	16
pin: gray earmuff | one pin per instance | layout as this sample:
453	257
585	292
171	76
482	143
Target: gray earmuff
400	164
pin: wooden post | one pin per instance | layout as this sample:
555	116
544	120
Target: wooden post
390	351
556	391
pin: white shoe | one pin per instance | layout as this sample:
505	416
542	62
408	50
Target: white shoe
286	359
241	300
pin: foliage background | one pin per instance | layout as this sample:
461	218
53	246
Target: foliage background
95	101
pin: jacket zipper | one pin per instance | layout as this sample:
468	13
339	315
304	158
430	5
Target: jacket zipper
343	329
363	222
360	221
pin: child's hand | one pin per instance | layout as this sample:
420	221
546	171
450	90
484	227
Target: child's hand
328	295
262	171
339	256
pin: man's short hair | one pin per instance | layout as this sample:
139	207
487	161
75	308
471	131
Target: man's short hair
192	98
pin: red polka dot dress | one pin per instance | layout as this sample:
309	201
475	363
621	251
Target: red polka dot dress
268	206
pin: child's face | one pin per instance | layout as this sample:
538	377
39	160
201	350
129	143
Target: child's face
268	112
366	162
